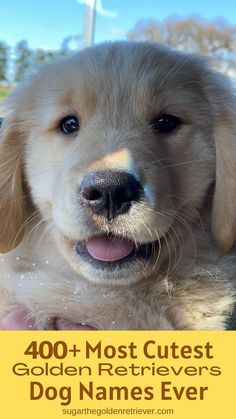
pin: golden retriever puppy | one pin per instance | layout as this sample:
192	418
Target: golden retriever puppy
118	192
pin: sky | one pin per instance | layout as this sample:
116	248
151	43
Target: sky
45	23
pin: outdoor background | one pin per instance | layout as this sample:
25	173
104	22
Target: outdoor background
35	31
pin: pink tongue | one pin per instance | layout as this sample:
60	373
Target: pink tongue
109	249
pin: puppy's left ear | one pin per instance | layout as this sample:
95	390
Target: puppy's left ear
224	202
12	210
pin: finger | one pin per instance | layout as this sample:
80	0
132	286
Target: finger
18	320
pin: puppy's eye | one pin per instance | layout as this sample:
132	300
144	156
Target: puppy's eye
165	123
69	124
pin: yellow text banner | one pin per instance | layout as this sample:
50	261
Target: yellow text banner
117	374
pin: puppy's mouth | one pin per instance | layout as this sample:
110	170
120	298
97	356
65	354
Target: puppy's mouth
112	251
61	324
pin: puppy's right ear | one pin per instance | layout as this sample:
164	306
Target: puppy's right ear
12	210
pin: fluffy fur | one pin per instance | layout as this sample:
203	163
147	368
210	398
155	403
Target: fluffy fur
187	211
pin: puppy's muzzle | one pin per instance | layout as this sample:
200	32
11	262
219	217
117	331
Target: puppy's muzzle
110	193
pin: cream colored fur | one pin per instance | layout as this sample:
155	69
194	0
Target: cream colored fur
189	179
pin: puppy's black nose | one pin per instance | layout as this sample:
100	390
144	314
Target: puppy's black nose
110	193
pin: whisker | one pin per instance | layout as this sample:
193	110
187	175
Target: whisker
35	228
196	212
48	231
183	163
34	215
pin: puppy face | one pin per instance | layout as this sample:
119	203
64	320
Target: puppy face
118	146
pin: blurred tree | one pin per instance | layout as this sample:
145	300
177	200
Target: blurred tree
23	59
65	46
4	56
70	44
41	55
193	34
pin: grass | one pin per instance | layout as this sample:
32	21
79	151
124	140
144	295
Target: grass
4	90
